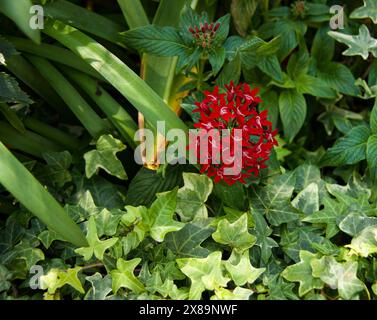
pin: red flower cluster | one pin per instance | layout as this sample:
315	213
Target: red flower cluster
236	108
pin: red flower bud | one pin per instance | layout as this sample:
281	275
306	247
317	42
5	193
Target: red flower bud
217	26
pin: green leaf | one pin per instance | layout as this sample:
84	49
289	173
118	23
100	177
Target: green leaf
12	118
216	58
365	243
192	196
341	276
57	278
107	222
242	12
10	91
369	10
302	272
96	246
234	234
322	40
162	211
348	150
373	118
105	157
371	155
49	236
313	86
361	45
307	200
123	276
19	13
240	269
6	50
5	275
101	287
160	41
238	293
274	200
292	106
187	241
205	274
305	175
58	167
355	222
329	215
262	232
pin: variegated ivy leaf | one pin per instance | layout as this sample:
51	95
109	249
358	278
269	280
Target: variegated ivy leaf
365	243
58	167
234	234
307	200
57	278
101	287
96	246
123	276
237	293
192	196
341	276
368	10
361	44
5	275
162	212
104	157
205	274
302	272
241	270
355	222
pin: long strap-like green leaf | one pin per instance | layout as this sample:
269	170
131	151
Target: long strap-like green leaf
127	82
24	187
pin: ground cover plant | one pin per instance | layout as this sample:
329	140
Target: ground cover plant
86	213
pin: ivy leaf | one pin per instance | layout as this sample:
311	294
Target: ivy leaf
369	10
365	243
162	211
348	150
101	287
107	222
361	45
192	196
341	276
49	236
58	167
187	241
307	200
329	215
105	157
274	200
355	222
302	272
240	269
234	234
292	106
57	278
279	289
238	293
206	273
123	276
262	232
96	246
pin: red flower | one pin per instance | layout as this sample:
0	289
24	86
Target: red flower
249	138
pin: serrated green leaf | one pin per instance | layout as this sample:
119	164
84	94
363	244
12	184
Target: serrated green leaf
313	86
302	272
192	196
348	150
10	91
105	157
292	106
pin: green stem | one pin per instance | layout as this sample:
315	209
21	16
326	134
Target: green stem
89	119
52	133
